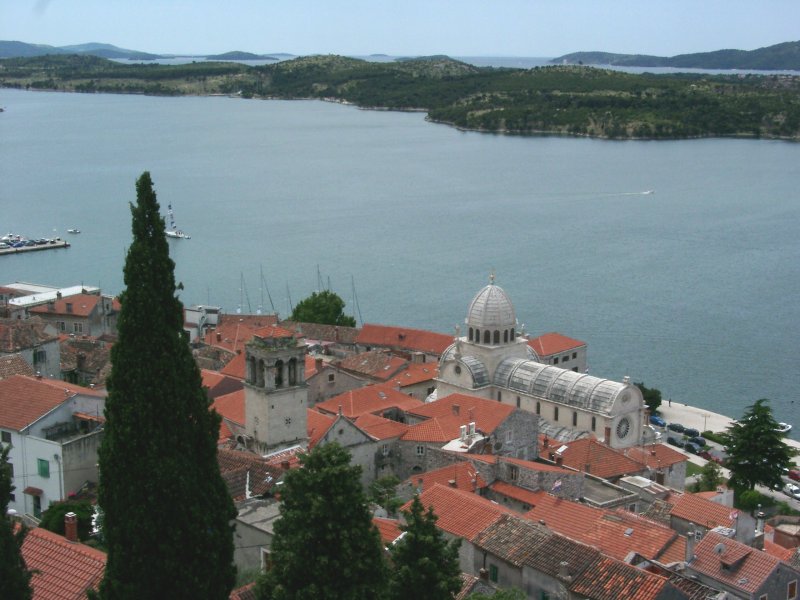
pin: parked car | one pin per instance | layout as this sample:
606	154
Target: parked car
676	427
794	474
690	432
656	420
692	447
698	440
705	454
792	490
676	441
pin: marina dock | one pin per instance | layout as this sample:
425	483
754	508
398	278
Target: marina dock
52	245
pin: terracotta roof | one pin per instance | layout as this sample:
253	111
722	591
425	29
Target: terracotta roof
372	399
527	464
703	512
553	343
236	367
376	364
486	414
737	565
233	331
317	425
416	373
460	513
590	456
24	400
513	539
434	431
778	551
62	570
14	364
388	528
403	338
240	469
246	592
656	455
517	493
16	334
381	428
616	533
79	305
337	334
273	331
463	474
231	407
609	579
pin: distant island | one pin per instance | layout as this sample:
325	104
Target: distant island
780	57
237	55
554	100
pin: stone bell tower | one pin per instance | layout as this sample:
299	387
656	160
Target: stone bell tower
276	396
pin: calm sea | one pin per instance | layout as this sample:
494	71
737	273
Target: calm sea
692	289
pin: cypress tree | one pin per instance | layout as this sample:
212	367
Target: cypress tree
324	546
166	509
15	577
426	564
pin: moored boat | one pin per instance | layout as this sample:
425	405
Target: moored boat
783	427
173	230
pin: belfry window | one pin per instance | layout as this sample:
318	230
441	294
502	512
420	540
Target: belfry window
279	373
496	336
259	375
292	371
487	337
505	336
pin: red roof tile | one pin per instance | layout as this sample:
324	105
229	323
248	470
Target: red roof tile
233	331
231	407
486	414
317	425
381	428
747	569
372	399
590	456
388	528
62	570
527	464
273	331
14	364
553	343
403	338
517	493
415	373
243	471
462	474
609	579
699	510
236	367
656	455
79	305
24	400
460	513
375	364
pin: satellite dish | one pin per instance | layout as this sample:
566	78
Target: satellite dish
498	445
719	548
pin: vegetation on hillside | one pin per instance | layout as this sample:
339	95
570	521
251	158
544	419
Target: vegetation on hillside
545	100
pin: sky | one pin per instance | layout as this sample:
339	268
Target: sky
532	28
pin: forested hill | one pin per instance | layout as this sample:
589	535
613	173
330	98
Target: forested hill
780	57
548	100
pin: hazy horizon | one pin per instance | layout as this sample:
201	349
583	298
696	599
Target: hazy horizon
513	28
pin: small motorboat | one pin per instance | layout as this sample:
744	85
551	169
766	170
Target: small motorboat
73	230
783	428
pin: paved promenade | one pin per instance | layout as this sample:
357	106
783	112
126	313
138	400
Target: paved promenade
704	420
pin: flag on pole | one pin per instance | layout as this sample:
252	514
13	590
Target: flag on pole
556	486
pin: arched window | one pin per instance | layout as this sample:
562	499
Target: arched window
292	371
505	336
260	373
513	337
278	373
251	369
496	336
538	407
470	334
487	339
555	414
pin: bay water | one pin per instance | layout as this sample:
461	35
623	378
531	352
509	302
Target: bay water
692	289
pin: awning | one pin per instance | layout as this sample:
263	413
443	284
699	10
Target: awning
33	491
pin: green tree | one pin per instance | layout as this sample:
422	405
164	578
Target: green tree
53	517
507	594
325	546
166	509
710	477
382	492
757	453
426	565
324	307
652	397
15	578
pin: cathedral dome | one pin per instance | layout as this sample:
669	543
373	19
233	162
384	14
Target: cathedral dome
491	309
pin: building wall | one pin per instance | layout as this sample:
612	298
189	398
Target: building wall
26	451
573	359
502	573
321	387
80	461
361	447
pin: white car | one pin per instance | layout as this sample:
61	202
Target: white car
792	490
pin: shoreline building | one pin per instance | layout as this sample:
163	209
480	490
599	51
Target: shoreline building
494	361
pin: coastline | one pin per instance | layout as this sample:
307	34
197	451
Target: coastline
705	420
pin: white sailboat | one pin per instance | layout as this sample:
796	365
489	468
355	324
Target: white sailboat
173	230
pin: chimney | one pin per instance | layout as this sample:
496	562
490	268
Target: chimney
546	442
608	435
484	574
563	571
69	307
285	465
626	379
318	364
559	460
38	374
219	336
588	468
462	432
690	542
451	483
51	306
472	428
456	409
71	527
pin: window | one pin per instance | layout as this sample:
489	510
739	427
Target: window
487	337
575	418
574	355
77	327
493	573
555	360
513	472
496	337
39	357
499	396
331	377
538	407
565	358
5	437
265	559
62	326
44	467
385	449
509	436
518	401
420	450
37	507
791	590
555	414
594	423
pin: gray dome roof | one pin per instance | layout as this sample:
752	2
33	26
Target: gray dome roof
491	309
